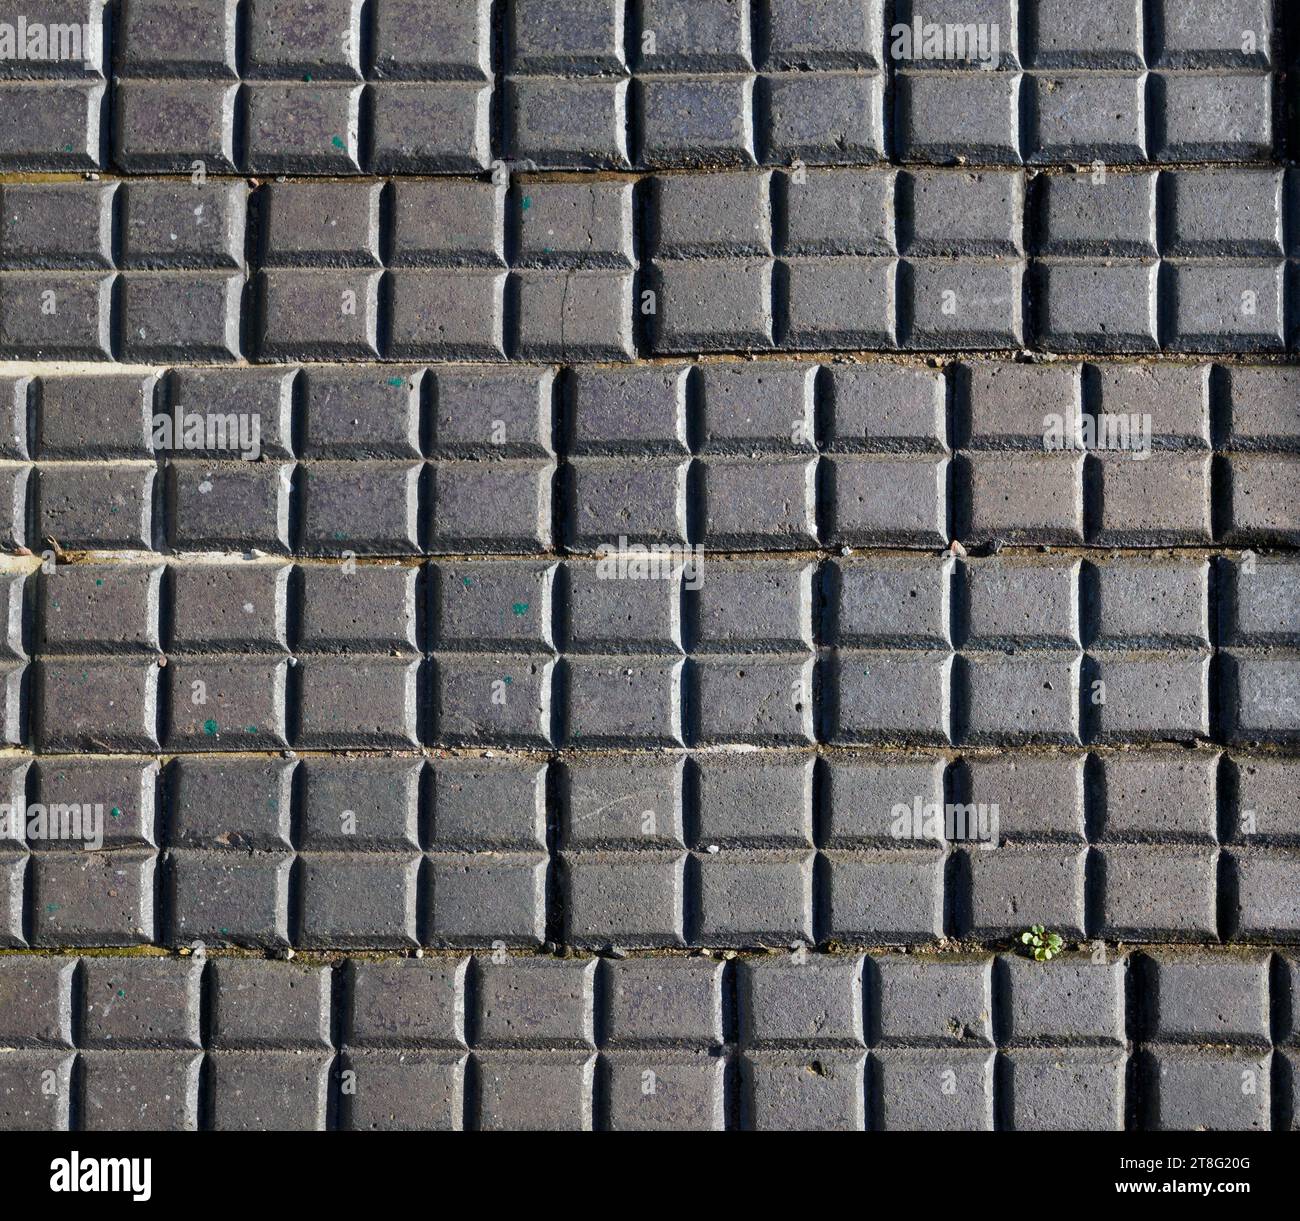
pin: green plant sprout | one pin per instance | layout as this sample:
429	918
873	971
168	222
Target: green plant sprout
1044	945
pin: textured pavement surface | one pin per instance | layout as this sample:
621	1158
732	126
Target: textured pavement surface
595	564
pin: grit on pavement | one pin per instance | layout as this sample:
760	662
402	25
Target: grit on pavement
649	564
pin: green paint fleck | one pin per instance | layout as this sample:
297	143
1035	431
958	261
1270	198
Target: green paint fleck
120	992
307	77
210	728
528	202
116	813
99	581
225	932
394	381
337	141
467	583
251	729
507	680
67	148
520	608
51	907
339	536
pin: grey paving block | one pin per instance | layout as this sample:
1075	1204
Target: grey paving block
1261	811
899	697
1262	404
1059	35
404	1091
1227	306
228	506
55	125
1258	605
95	417
1220	117
319	314
457	45
623	701
360	702
361	507
429	1009
481	605
13	505
263	1006
1213	39
503	412
1266	907
534	1003
116	796
325	42
1010	603
861	792
754	897
837	212
36	1090
602	418
661	1092
486	898
171	225
1250	200
371	609
156	38
431	127
575	315
1024	498
258	400
361	899
140	1003
695	38
573	37
97	703
447	223
754	607
1153	696
170	126
696	121
564	224
1012	887
662	1002
1223	1091
237	803
932	1090
1176	397
539	1091
228	607
637	804
222	703
1204	998
946	115
838	303
613	616
1087	117
946	212
1158	891
930	1003
887	407
624	898
15	395
568	124
140	1091
809	34
1259	509
811	1001
303	127
96	609
367	413
760	701
1162	498
181	316
319	224
519	496
1083	214
55	316
444	314
714	305
38	1001
963	303
760	503
824	118
1260	698
93	898
1072	1091
13	871
885	602
711	215
755	804
56	225
361	804
225	898
269	1091
1080	1002
488	806
767	405
1160	796
493	699
812	1091
1012	406
1098	306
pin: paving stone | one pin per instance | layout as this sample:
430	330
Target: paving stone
457	45
405	1091
37	992
883	602
759	504
13	871
482	605
635	805
359	414
140	1091
351	701
1153	697
227	898
1160	796
56	224
311	224
810	34
488	806
447	223
662	1002
1259	508
1060	35
55	126
815	1001
15	395
568	124
444	314
902	698
228	506
1009	886
1158	891
861	794
438	127
1072	1091
945	115
602	419
749	897
251	814
656	1093
537	1003
354	805
55	316
208	407
1213	39
754	607
303	127
1259	607
824	118
140	1003
837	212
505	412
1208	999
182	316
767	804
27	1101
158	38
888	407
1020	699
84	417
319	314
371	609
356	899
623	701
1223	117
695	38
224	703
1024	498
1098	306
1266	906
839	303
1260	698
711	215
276	1091
1199	203
961	213
92	609
1083	214
493	699
624	898
759	701
13	505
97	703
1223	1091
166	225
575	315
696	121
93	898
1262	405
519	494
324	42
714	305
1177	398
932	1090
1013	406
939	1002
360	507
963	303
487	899
813	1091
1079	1002
430	1012
1159	498
1261	811
237	608
613	616
116	799
1087	117
175	126
1027	604
541	1091
760	405
1226	306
